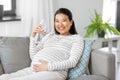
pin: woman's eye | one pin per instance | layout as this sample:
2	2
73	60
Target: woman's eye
64	20
56	21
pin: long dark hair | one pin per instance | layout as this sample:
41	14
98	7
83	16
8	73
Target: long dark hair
69	14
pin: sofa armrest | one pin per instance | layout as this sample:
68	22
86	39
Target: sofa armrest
102	63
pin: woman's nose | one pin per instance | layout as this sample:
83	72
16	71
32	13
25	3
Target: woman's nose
60	23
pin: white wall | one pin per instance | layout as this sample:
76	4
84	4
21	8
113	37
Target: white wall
82	11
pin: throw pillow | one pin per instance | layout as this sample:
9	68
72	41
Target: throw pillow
81	67
14	53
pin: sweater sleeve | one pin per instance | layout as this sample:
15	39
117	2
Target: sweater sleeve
75	54
36	46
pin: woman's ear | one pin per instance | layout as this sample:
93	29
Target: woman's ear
71	22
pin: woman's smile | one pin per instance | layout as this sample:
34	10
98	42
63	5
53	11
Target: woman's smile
61	28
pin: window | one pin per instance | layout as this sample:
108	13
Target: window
9	7
109	11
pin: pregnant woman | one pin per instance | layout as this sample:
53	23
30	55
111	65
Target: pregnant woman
55	53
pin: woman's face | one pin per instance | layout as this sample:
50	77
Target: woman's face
62	24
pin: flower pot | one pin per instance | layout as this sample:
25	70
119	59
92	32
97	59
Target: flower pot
101	35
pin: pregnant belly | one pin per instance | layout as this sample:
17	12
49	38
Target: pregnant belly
50	55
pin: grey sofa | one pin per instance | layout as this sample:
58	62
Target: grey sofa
14	56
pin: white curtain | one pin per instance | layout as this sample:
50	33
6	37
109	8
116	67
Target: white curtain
42	10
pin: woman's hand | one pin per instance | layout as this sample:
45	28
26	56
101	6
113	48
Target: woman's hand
38	29
40	67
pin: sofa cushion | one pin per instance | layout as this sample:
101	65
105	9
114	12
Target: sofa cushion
81	67
14	53
91	77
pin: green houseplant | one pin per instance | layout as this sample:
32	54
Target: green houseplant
98	27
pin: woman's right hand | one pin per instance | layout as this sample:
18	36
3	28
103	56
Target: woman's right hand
38	29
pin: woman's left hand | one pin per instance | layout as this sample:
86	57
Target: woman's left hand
40	67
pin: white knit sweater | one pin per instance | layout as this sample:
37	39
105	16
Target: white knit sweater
61	52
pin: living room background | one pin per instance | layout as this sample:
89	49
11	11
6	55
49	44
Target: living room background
32	11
